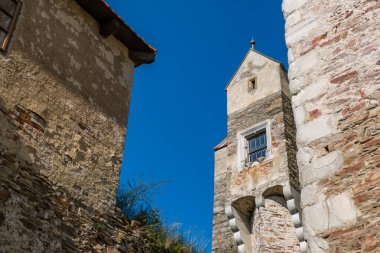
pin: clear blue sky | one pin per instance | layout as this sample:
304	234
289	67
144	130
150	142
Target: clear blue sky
178	109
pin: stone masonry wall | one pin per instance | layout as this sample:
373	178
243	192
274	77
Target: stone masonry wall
334	74
222	237
64	101
254	180
290	137
273	230
37	215
79	84
230	184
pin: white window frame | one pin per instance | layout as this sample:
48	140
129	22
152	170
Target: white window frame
242	137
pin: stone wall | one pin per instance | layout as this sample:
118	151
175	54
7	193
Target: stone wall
273	231
79	84
64	102
334	77
232	185
222	237
271	172
37	215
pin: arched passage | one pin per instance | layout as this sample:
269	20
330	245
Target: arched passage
269	223
272	229
240	215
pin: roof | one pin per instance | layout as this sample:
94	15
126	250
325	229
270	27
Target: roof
221	145
110	23
249	51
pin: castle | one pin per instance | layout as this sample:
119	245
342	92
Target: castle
297	172
299	168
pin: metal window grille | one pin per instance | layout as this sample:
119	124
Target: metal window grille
257	146
9	10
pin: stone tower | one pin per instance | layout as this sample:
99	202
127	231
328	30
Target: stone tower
256	205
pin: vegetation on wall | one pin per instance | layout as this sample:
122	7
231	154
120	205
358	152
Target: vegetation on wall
135	202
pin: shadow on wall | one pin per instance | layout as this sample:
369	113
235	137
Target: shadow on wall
37	216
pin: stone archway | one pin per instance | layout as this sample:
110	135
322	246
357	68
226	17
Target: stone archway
272	229
240	216
270	223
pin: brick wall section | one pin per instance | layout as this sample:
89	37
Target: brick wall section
273	229
334	77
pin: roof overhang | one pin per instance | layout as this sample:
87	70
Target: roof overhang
110	23
221	145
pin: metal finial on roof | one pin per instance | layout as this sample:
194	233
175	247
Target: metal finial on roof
253	42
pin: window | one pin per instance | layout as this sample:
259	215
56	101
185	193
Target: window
9	10
252	85
253	143
257	146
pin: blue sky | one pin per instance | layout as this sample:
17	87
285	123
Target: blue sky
178	108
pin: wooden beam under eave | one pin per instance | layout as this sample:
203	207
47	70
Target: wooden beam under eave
141	57
109	28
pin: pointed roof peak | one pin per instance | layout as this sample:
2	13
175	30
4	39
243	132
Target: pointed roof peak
253	43
253	51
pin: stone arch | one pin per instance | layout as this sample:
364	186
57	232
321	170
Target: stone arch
244	214
281	208
275	193
240	215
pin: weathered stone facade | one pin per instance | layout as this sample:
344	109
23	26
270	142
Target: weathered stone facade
334	74
334	81
253	193
64	100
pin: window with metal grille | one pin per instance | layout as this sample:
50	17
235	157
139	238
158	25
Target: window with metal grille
257	146
9	10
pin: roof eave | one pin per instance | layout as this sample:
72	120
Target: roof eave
221	145
110	23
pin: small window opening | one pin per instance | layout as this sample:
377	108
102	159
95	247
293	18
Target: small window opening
252	85
257	146
9	10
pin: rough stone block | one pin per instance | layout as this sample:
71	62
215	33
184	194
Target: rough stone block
306	63
318	128
310	195
299	115
341	210
316	217
295	85
311	92
322	167
300	31
317	245
293	19
289	6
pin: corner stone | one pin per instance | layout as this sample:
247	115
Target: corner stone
315	129
341	210
316	216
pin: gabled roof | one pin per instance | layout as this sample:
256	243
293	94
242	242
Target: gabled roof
112	24
245	57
